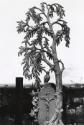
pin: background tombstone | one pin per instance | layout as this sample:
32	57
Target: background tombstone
18	101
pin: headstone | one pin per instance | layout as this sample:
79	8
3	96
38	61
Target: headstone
18	101
46	103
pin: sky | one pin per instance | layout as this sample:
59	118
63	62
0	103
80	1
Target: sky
12	11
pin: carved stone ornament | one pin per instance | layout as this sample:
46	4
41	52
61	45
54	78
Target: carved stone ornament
46	104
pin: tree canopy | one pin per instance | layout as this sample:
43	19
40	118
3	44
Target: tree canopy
41	27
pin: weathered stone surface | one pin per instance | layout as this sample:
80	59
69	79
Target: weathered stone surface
46	103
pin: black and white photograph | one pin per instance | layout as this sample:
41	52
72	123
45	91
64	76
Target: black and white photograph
41	62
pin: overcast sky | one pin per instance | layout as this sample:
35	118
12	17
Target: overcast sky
73	58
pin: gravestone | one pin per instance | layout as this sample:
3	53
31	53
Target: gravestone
18	101
46	103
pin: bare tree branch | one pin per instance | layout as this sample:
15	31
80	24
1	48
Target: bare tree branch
44	70
56	22
62	65
44	58
46	61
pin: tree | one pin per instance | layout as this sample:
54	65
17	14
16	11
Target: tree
44	29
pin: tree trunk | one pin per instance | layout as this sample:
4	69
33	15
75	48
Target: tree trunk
58	79
57	118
